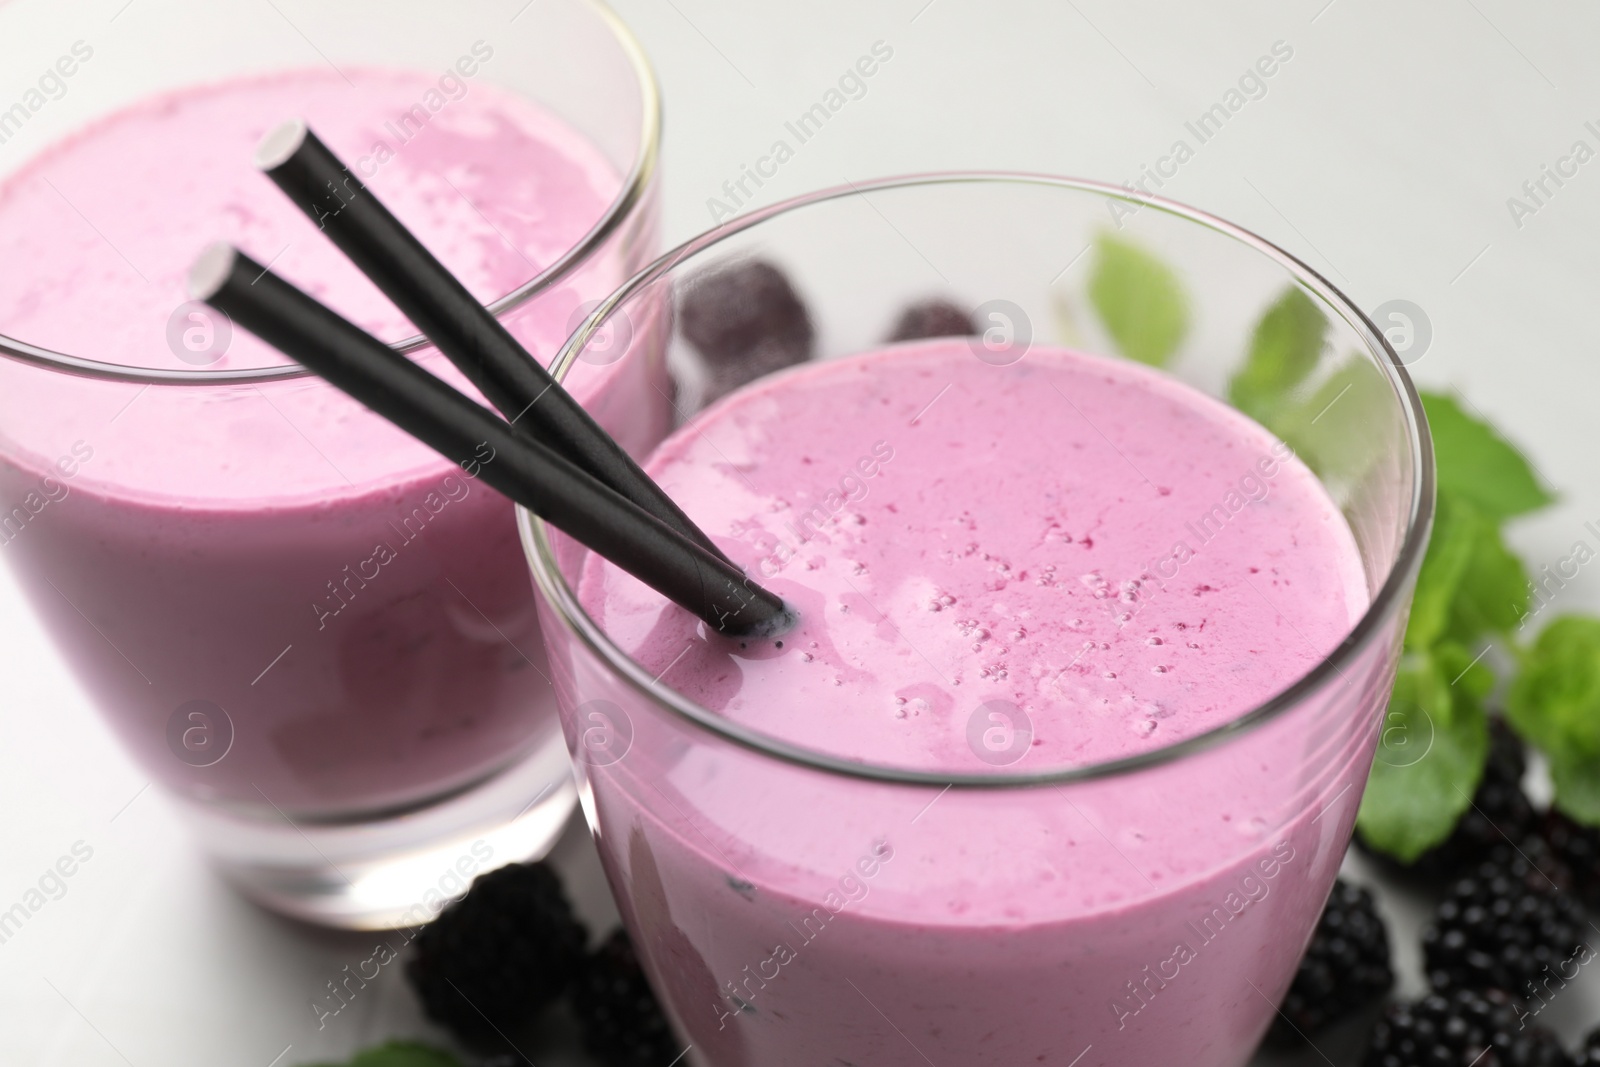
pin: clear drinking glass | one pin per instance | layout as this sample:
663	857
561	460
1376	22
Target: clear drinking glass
305	627
798	907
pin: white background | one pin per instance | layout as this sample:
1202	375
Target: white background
1383	153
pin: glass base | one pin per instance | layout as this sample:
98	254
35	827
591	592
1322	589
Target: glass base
389	873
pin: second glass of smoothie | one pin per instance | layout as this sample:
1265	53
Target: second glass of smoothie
1060	763
305	626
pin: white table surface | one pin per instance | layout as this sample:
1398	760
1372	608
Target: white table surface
1383	153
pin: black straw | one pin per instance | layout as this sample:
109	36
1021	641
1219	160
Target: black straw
525	470
336	199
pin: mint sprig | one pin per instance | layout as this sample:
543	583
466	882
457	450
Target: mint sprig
1476	464
1472	591
1555	704
1338	425
1471	584
1139	299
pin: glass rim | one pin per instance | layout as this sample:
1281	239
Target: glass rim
552	584
634	186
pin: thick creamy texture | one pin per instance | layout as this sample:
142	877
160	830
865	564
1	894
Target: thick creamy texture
98	233
109	220
1123	559
1008	534
352	601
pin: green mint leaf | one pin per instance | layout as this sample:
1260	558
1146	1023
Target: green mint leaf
1450	550
401	1054
1140	301
1475	463
1554	703
1284	350
1576	776
1493	596
1465	671
1470	585
1344	425
1430	756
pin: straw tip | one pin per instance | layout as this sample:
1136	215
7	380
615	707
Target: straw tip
210	271
786	618
280	143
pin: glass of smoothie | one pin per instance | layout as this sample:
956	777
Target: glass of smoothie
312	633
1101	565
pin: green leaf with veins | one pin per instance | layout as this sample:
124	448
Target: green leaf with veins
1139	299
1284	350
1554	703
1431	753
1477	464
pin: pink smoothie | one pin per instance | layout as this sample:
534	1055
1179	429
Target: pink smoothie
1121	560
347	597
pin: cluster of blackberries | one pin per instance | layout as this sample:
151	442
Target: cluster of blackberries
1507	937
1345	968
745	321
1510	932
1506	925
1465	1027
491	962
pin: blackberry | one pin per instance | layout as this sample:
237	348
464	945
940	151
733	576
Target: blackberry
1465	1028
731	311
621	1020
761	361
1578	848
746	321
491	961
1509	925
932	318
1346	966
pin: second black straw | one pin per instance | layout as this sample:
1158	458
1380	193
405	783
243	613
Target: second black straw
478	343
525	470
